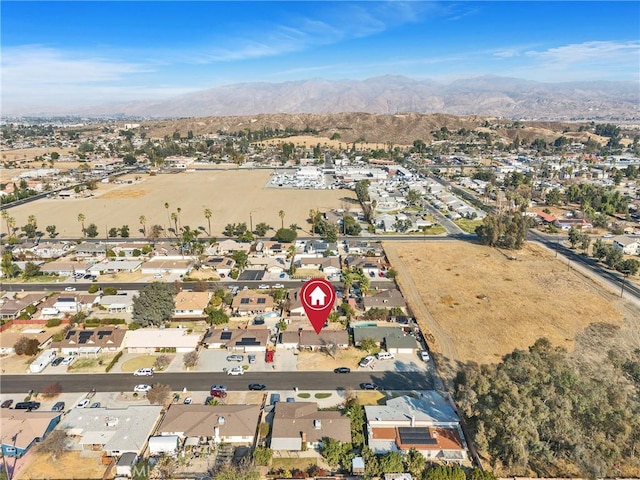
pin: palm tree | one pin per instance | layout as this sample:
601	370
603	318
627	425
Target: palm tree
207	215
81	219
174	218
143	220
281	215
11	223
5	217
31	220
178	211
166	206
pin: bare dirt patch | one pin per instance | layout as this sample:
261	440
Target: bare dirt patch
72	464
480	305
323	361
234	196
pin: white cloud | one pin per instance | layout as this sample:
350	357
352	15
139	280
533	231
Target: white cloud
601	51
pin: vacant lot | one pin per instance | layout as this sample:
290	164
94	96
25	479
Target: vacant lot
474	304
233	197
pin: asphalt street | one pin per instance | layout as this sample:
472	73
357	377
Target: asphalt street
121	382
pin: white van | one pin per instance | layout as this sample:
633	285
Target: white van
385	356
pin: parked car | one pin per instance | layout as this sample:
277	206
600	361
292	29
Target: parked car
263	286
67	361
218	394
143	372
27	406
342	370
270	356
385	356
235	358
257	386
368	386
278	285
252	358
188	401
142	388
83	403
372	274
70	289
366	361
235	371
6	404
424	355
95	405
58	407
381	274
57	361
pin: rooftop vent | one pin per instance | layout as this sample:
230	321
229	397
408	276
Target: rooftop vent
221	420
317	424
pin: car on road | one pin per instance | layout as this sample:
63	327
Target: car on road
424	355
57	361
257	386
70	289
252	358
188	401
58	407
83	403
142	388
278	285
608	235
27	406
95	405
143	372
219	387
235	358
6	404
235	371
263	287
342	370
368	386
67	361
157	275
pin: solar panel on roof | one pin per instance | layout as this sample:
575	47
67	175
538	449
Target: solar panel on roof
104	333
83	337
244	300
70	334
416	436
225	336
262	300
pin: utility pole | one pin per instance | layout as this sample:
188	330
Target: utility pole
625	274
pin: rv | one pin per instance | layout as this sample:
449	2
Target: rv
40	363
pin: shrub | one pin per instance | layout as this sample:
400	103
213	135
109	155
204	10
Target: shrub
262	456
159	393
114	361
53	322
52	390
26	346
134	326
93	288
191	359
162	362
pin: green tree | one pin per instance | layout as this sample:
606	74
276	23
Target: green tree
351	226
443	472
241	258
51	230
154	305
9	268
143	221
31	270
113	232
281	215
369	344
416	462
477	474
216	316
262	456
553	197
124	231
262	228
207	214
413	197
81	219
391	463
92	230
285	235
335	452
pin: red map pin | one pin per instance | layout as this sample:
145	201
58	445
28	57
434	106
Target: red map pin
317	296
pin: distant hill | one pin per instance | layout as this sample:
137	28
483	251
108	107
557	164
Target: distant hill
486	96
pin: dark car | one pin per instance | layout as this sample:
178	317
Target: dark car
58	407
57	361
368	386
342	370
27	405
257	386
6	404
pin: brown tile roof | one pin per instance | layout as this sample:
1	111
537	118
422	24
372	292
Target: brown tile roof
236	337
109	337
290	420
249	300
443	438
200	420
309	338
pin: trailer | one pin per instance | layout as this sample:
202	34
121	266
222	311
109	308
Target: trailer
40	363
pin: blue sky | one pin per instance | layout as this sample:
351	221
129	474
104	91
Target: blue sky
75	53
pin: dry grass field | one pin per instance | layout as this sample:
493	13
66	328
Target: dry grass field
475	305
233	196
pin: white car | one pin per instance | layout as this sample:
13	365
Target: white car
278	285
235	371
70	289
142	388
83	403
67	361
143	372
366	361
424	355
157	275
263	287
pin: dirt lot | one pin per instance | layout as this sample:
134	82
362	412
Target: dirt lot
67	466
233	196
474	304
323	361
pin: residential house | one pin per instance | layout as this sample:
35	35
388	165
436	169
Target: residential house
128	249
294	304
51	250
365	264
151	340
68	304
567	223
427	423
629	245
268	264
225	247
235	424
270	248
9	337
320	247
114	431
64	268
120	302
221	265
115	266
249	302
174	266
20	429
90	249
79	341
190	304
379	334
391	298
242	340
310	340
298	423
11	308
358	247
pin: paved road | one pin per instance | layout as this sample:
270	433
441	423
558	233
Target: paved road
123	382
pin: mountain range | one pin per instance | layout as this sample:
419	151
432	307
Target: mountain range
486	96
